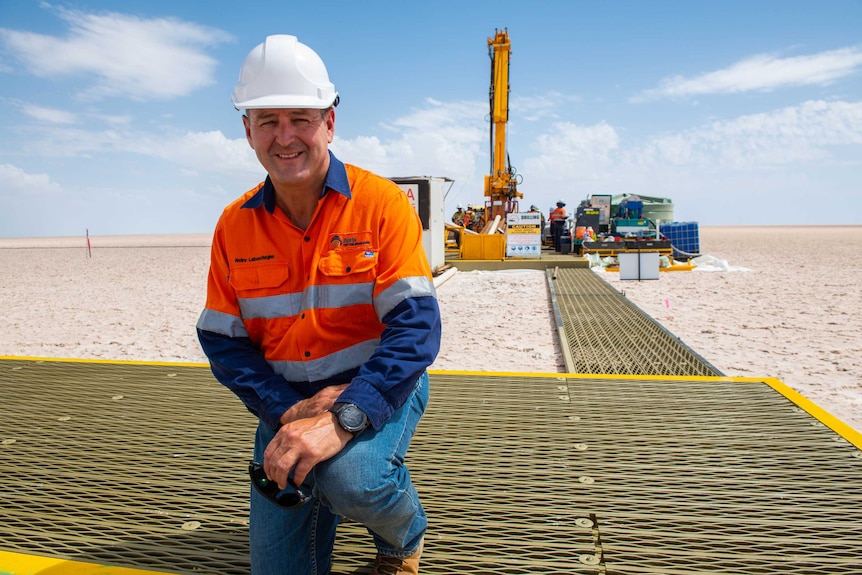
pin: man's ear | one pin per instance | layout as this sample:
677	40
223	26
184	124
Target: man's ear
330	124
246	123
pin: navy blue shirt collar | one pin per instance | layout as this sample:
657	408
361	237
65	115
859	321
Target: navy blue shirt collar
336	180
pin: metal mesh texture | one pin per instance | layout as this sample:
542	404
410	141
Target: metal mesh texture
714	476
132	465
607	334
144	466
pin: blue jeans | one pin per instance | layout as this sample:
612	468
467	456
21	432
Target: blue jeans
367	481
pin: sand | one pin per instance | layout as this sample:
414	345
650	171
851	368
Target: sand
788	308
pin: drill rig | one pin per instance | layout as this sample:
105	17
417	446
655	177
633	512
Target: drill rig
501	185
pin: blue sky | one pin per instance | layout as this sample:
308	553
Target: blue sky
116	116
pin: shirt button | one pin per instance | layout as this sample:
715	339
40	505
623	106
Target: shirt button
303	316
306	238
307	354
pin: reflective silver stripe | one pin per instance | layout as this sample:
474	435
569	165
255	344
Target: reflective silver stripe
327	366
271	306
340	295
221	323
314	297
416	286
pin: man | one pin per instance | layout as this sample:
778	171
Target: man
469	217
558	222
321	316
458	216
535	209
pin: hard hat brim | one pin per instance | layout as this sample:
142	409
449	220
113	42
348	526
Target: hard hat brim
279	101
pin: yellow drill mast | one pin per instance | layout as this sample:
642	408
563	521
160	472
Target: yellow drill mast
501	184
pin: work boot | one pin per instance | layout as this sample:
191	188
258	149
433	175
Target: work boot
388	565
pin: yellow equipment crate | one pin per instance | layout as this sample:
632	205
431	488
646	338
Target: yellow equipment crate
483	247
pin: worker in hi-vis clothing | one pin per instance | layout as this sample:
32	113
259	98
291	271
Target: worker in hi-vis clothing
558	222
535	210
458	216
321	316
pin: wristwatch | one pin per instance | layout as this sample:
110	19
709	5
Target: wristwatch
350	417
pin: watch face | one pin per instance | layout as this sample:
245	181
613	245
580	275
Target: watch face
352	418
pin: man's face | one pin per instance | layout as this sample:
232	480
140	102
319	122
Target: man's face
291	143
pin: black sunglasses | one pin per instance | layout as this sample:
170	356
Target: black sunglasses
269	488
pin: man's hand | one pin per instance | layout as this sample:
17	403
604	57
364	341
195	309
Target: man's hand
321	402
302	444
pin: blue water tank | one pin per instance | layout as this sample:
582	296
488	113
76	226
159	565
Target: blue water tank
684	237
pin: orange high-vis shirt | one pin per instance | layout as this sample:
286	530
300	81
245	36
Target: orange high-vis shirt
558	214
314	301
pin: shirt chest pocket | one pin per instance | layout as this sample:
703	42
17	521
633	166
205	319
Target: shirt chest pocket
251	280
353	265
346	292
263	292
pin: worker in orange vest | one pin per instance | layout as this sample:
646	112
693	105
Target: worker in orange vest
469	217
321	316
558	222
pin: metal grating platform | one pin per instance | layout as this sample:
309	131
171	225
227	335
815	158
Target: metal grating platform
607	334
144	466
131	465
714	476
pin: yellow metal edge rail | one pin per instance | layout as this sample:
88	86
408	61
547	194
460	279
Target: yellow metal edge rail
22	564
823	416
101	361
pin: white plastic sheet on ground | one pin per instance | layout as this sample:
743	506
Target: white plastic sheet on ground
707	263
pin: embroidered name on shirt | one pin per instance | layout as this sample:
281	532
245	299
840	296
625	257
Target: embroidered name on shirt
254	259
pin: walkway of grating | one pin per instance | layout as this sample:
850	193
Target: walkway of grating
143	465
607	334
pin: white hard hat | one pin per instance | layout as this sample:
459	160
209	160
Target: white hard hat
459	206
283	73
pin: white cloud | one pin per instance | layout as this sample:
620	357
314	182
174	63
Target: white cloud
143	59
806	133
15	182
571	148
764	73
438	139
51	115
365	151
571	160
115	120
755	156
68	142
793	134
540	107
198	152
195	152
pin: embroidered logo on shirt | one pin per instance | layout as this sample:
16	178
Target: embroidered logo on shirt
352	240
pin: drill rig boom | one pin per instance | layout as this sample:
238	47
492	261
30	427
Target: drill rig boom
501	184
